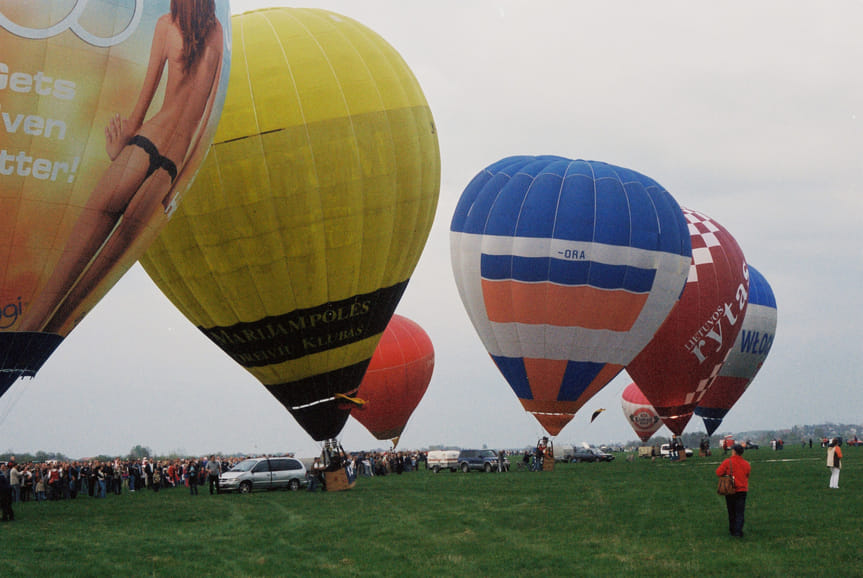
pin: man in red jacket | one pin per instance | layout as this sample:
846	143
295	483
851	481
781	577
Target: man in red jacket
737	468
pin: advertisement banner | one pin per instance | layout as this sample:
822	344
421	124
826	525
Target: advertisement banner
107	108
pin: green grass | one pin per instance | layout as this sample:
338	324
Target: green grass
644	518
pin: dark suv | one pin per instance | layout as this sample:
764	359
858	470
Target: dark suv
483	460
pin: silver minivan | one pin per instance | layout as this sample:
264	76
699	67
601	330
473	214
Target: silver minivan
264	474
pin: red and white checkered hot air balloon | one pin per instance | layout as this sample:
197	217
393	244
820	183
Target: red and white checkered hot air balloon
639	413
679	364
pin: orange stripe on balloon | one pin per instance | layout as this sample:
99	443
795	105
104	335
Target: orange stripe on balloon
561	305
545	376
553	423
552	414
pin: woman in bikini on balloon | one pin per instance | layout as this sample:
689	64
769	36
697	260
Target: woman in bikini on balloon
146	159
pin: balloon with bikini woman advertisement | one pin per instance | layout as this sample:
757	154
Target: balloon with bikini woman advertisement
106	110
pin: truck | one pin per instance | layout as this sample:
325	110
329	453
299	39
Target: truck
438	460
648	451
564	453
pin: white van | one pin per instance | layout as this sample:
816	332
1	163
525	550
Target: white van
665	451
438	460
264	474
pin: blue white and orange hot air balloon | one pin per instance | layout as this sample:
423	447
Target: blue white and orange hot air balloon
567	269
746	357
680	363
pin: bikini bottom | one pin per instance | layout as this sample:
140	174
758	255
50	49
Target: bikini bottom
157	161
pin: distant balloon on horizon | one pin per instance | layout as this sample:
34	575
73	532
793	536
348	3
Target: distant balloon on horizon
639	413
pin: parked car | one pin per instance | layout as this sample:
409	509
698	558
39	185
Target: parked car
264	474
482	460
750	445
590	455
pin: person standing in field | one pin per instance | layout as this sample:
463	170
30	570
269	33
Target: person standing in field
6	495
834	462
192	477
214	468
739	469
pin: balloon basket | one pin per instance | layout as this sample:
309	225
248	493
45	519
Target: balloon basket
548	464
338	481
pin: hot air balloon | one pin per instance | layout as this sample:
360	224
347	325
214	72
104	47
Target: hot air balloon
677	367
101	138
296	242
396	379
639	413
746	357
566	269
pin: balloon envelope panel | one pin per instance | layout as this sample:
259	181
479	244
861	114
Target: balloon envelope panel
396	379
67	69
746	357
684	357
566	269
311	211
639	413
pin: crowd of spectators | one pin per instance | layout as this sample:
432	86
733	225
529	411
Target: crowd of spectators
57	480
382	463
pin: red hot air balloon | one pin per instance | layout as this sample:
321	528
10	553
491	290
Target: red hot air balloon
685	356
639	413
396	380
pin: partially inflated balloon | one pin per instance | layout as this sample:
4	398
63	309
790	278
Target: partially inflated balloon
81	193
566	269
746	357
396	380
685	356
639	413
311	211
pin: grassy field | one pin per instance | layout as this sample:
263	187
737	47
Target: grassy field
641	517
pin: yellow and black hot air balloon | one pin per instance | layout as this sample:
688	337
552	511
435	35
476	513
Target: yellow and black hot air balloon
310	211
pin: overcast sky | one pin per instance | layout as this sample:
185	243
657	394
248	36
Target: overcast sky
751	112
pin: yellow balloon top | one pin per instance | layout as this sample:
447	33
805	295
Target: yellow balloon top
295	242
